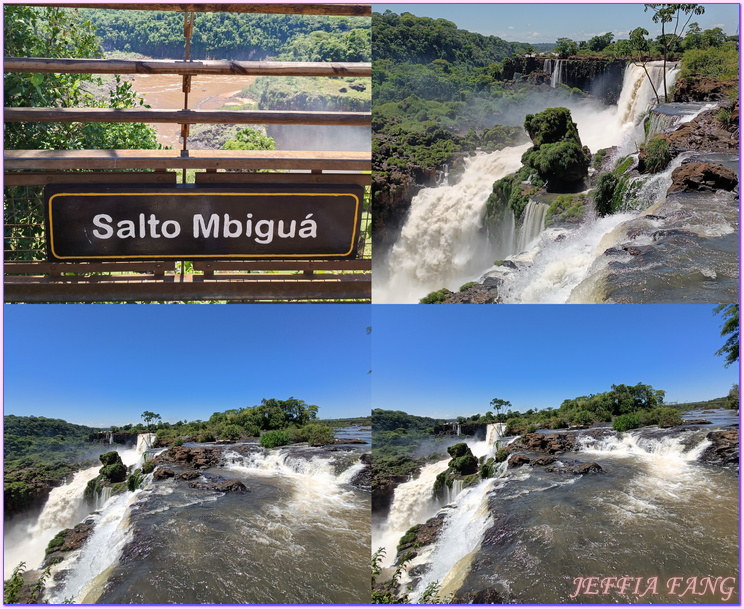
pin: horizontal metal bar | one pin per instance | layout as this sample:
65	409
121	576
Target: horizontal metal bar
190	117
169	66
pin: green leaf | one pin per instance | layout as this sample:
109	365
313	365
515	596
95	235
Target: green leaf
37	79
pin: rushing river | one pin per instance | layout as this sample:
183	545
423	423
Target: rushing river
299	532
656	511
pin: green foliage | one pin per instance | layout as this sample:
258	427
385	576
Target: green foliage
718	63
232	432
409	537
116	472
724	116
656	154
458	450
319	435
663	416
565	208
57	542
14	585
732	399
110	458
565	47
729	331
626	422
250	139
272	439
237	36
604	194
532	428
179	441
435	297
466	286
583	418
557	153
148	467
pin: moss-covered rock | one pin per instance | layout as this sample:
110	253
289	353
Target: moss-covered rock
557	153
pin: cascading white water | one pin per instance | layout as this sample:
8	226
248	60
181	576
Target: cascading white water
637	95
533	224
458	540
413	503
494	432
101	550
442	243
63	509
145	441
452	492
558	75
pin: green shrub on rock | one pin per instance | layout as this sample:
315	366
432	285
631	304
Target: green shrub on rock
319	435
605	193
626	422
272	439
655	156
116	472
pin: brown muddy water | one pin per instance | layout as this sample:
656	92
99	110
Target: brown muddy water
208	92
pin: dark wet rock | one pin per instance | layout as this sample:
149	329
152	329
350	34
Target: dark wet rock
549	443
706	133
67	541
724	448
350	441
575	469
163	473
489	596
419	570
189	475
542	461
518	461
195	458
362	480
229	486
696	176
421	535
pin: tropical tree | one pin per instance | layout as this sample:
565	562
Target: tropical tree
149	417
498	404
729	331
672	14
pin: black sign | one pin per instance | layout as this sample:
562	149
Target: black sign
187	222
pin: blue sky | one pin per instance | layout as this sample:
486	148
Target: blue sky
446	361
547	22
103	365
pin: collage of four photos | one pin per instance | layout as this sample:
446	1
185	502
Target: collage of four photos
280	189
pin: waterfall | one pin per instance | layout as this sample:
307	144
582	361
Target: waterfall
63	509
459	539
453	491
532	225
145	441
559	73
458	430
103	498
413	503
442	243
637	95
494	432
101	550
546	66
